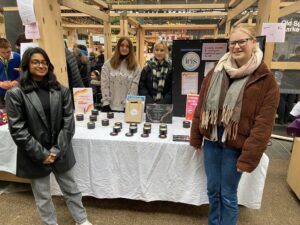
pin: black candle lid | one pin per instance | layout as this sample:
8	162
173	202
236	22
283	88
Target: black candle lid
119	124
93	118
129	134
79	117
113	133
186	124
110	115
144	135
105	122
95	112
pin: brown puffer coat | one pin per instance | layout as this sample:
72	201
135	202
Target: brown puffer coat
260	101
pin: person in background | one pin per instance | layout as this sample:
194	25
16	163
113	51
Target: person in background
234	120
120	77
287	100
21	39
9	69
83	49
41	123
74	76
83	66
96	85
93	60
101	56
156	77
95	63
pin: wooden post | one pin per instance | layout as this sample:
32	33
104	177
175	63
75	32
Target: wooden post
140	43
107	40
250	18
216	31
227	28
72	37
268	12
49	21
137	50
2	26
123	25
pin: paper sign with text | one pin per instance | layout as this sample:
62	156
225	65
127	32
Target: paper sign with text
191	103
83	100
213	51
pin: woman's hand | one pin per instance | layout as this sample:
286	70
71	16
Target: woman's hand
198	150
5	85
50	159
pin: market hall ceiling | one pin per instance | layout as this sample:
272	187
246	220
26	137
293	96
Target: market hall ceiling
214	14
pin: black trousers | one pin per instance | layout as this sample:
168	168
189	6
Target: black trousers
2	102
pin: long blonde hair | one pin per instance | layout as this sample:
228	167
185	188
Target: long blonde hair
115	60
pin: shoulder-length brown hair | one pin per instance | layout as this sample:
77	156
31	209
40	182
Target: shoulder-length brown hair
115	60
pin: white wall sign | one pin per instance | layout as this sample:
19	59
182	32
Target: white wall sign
292	25
275	32
26	11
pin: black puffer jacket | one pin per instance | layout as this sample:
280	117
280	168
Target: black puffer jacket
30	131
146	86
73	71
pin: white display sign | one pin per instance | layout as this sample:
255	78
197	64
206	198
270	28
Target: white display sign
292	25
25	46
213	51
191	61
83	100
32	31
274	32
26	11
189	83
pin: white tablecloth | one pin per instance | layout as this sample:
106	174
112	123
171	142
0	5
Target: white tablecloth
148	169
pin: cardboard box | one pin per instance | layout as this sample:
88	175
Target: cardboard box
293	178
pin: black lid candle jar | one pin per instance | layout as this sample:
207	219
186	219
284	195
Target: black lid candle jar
110	115
105	122
91	125
93	118
95	112
186	124
79	117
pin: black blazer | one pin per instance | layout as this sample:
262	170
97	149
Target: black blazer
29	129
146	86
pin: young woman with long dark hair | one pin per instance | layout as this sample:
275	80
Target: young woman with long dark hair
120	77
41	123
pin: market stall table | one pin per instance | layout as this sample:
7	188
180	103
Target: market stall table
146	169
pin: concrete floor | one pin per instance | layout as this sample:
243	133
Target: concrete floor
280	206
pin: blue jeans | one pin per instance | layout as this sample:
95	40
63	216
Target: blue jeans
222	182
